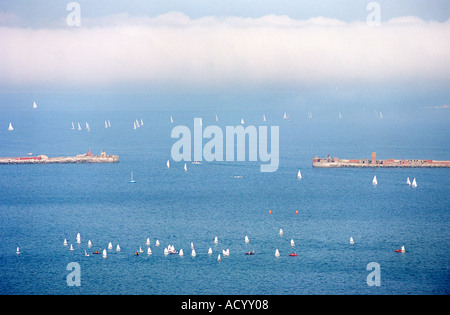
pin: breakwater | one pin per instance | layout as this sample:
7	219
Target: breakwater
43	159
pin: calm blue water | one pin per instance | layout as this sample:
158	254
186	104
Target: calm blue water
41	205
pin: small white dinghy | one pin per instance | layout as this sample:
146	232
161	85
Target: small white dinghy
181	252
210	251
292	243
185	167
18	251
166	251
86	254
299	175
71	247
78	238
65	242
277	253
218	258
110	245
89	244
118	248
414	183
352	241
149	251
157	243
148	242
216	240
193	253
242	121
226	252
408	182
168	164
281	232
104	255
374	180
192	245
246	240
10	128
140	249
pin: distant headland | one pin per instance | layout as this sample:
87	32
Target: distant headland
43	159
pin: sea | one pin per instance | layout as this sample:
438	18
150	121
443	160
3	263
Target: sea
42	205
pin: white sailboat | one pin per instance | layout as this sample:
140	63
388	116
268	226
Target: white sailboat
168	164
181	253
242	121
89	244
292	243
140	249
79	127
285	116
118	249
71	247
408	182
216	240
171	119
137	123
34	105
149	251
106	124
18	251
246	239
65	242
299	175
109	123
86	254
414	183
110	245
73	126
104	254
210	251
192	245
281	232
148	242
132	181
218	258
78	238
87	127
277	253
264	117
10	128
134	125
193	253
166	251
374	180
340	115
351	240
226	252
142	122
217	118
185	167
157	243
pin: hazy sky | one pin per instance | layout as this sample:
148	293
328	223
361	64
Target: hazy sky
209	44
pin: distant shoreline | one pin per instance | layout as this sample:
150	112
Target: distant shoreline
43	159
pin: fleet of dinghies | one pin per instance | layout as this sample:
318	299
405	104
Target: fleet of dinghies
170	249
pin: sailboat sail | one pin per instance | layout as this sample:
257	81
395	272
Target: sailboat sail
10	128
34	105
374	181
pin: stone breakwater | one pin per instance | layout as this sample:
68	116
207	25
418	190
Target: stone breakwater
43	159
335	162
